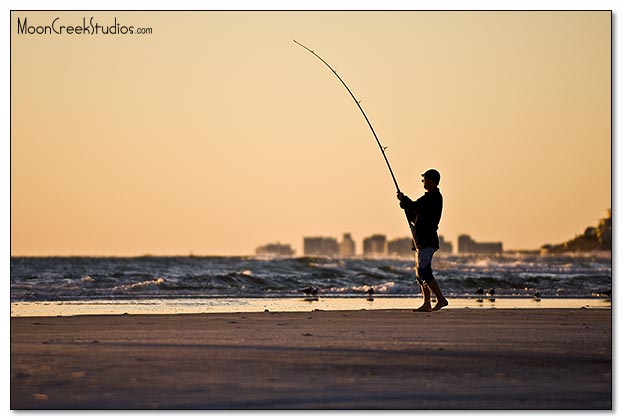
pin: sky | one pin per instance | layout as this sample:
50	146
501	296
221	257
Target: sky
214	133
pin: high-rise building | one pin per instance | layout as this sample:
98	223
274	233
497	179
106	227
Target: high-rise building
466	245
445	247
320	246
401	246
375	245
347	247
275	250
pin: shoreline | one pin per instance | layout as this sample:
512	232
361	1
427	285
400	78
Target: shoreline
252	305
382	359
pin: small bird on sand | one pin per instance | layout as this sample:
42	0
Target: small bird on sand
309	291
479	292
370	294
491	294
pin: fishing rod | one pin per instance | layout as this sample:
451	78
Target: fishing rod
358	104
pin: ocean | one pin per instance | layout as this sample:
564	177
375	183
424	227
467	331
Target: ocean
87	279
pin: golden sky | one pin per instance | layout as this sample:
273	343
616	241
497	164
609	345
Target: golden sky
215	133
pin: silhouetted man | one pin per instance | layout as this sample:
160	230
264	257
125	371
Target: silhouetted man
424	215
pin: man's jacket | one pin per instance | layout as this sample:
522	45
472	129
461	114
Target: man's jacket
424	215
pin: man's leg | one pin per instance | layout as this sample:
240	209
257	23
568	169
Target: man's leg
421	263
425	291
425	276
440	299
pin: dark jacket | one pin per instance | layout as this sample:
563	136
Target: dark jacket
424	215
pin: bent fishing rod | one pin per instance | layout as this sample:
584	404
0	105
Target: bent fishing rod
358	104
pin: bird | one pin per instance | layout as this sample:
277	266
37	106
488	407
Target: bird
370	294
491	294
309	291
479	292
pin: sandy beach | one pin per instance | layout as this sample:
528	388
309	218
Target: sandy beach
381	359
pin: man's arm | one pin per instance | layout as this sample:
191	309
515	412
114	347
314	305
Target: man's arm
405	202
411	208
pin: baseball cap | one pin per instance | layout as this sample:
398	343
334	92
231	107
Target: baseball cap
433	175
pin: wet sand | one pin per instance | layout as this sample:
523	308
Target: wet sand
386	359
226	305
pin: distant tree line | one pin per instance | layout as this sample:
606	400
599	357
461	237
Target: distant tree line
597	238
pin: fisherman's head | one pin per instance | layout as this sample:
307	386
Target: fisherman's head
431	179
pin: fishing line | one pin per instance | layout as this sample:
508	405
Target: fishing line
358	104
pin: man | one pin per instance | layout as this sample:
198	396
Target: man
424	215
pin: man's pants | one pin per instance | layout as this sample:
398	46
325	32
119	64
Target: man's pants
423	267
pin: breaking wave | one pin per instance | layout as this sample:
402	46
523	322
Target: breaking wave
44	279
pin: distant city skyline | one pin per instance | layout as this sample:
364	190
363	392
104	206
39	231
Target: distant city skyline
593	238
374	245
